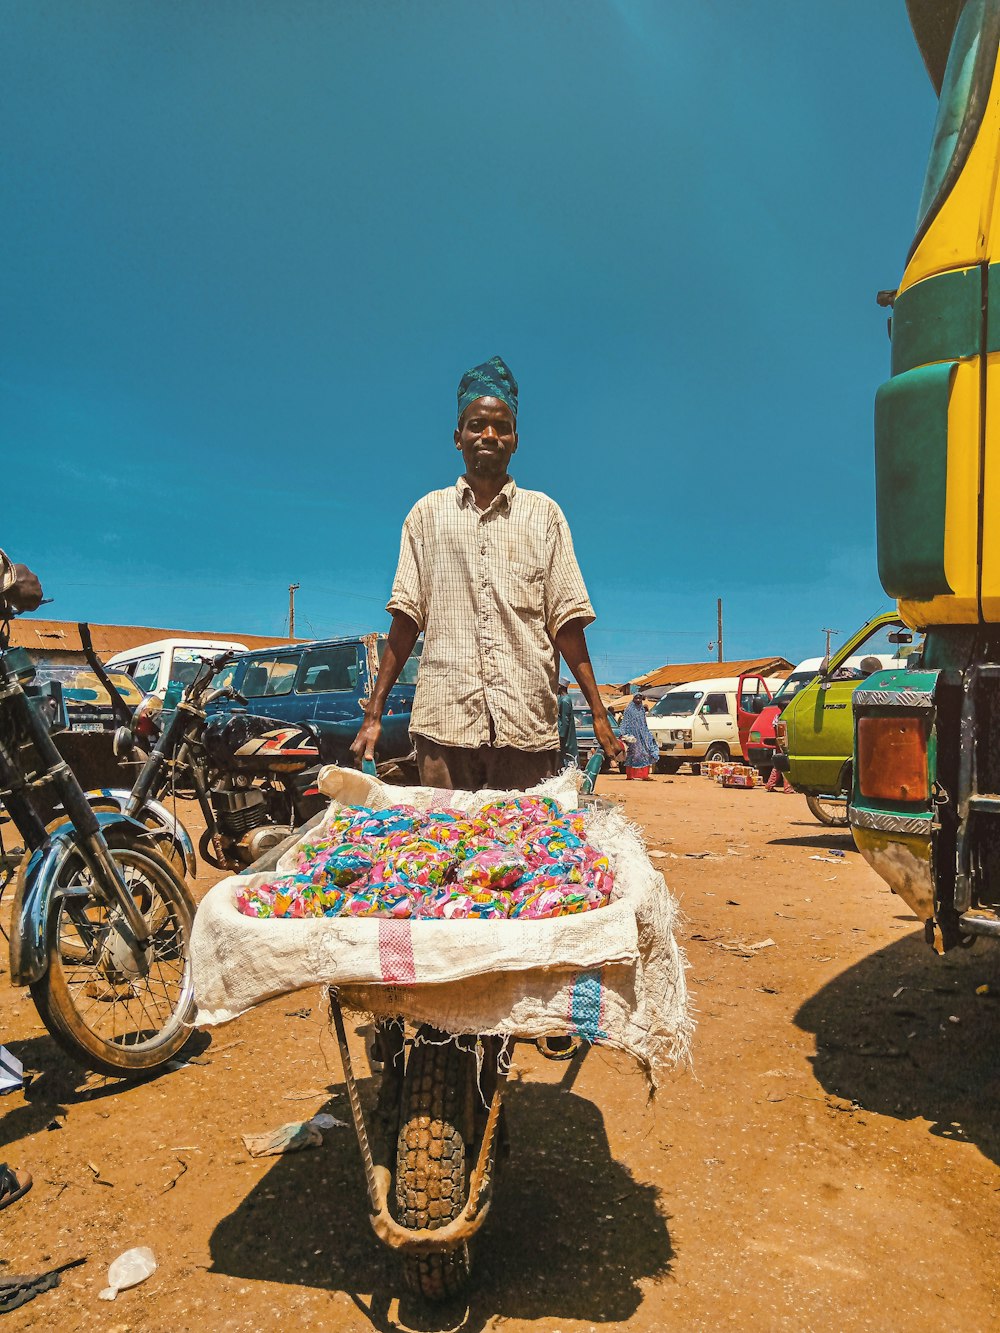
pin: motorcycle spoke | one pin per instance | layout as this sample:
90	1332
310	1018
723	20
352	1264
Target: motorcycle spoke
166	982
154	1024
121	1009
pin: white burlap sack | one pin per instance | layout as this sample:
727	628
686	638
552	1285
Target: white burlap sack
614	976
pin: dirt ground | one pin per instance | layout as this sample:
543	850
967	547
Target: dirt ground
831	1161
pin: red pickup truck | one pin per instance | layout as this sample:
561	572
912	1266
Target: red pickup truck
760	744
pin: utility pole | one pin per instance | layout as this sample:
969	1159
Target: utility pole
292	589
719	641
829	633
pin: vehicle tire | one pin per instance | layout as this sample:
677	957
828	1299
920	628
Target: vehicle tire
166	843
829	811
716	754
669	766
84	982
435	1135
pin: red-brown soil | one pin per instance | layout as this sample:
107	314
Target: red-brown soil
830	1162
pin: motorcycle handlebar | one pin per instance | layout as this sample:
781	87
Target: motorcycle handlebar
225	692
220	659
210	666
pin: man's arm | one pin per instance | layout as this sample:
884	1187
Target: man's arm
571	643
402	636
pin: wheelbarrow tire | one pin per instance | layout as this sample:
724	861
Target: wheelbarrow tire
431	1173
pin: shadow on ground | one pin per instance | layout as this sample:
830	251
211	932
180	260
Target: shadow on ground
57	1084
837	839
571	1233
887	1039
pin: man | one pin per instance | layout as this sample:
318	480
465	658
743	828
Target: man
569	749
487	572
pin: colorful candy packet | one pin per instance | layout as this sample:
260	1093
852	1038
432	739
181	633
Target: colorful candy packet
518	856
498	868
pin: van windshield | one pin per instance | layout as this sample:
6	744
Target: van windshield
185	665
791	686
681	704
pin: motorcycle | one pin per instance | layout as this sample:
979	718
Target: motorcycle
253	777
101	921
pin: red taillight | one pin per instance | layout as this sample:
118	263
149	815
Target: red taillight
146	718
781	735
892	758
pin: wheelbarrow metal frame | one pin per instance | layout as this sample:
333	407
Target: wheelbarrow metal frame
378	1176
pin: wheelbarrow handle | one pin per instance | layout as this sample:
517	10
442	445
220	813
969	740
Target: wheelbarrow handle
591	771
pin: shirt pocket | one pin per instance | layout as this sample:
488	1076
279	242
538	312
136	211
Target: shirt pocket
524	587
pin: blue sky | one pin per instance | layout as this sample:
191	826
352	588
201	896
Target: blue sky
249	248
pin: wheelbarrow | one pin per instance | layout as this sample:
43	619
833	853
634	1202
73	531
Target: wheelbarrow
434	1138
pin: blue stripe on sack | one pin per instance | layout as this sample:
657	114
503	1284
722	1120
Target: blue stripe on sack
585	1006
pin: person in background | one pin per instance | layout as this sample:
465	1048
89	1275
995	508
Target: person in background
20	590
642	751
569	750
487	571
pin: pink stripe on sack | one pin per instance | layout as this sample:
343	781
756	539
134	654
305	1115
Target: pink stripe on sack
395	952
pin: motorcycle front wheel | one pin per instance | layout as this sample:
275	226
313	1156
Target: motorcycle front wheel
829	811
109	1010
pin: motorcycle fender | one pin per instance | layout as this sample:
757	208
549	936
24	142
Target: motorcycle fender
37	877
182	839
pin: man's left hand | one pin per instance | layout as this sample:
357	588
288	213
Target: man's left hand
606	738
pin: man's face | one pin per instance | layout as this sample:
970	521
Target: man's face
486	437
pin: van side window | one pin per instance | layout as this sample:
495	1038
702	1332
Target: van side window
716	704
147	672
408	675
224	678
267	676
753	690
334	668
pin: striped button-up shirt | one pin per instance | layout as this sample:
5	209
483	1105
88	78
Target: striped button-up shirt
490	589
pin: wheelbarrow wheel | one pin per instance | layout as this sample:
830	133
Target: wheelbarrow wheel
436	1131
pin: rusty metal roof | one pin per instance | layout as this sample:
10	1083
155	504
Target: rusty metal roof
55	636
679	673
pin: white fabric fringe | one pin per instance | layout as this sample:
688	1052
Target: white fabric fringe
614	976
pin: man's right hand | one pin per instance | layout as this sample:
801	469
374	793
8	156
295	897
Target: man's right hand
606	738
364	743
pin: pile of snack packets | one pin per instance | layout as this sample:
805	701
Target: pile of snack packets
521	858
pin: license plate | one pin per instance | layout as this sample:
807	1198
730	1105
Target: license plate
87	726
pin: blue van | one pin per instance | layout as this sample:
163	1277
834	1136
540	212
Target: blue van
325	684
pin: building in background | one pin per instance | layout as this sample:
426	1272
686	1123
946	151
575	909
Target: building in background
683	673
57	642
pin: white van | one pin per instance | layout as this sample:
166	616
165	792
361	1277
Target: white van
155	666
698	721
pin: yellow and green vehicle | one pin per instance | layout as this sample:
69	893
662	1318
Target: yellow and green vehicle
815	733
925	806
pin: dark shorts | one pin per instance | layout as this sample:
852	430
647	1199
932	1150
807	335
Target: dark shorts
460	768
